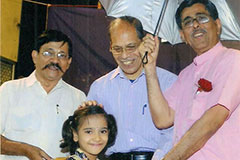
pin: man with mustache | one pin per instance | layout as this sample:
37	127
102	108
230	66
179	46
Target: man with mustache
33	109
204	103
123	93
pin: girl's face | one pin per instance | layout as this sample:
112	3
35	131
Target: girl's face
92	135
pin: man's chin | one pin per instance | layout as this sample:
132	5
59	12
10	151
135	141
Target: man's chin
54	76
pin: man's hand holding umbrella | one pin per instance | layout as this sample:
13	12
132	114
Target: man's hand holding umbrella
149	44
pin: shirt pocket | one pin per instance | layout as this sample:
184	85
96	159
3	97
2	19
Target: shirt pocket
199	105
25	120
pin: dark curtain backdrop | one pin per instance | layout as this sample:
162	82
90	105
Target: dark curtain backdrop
88	29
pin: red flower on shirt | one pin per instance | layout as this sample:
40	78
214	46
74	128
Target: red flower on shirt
204	85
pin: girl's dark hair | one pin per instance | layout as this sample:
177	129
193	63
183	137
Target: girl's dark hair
53	36
73	122
210	7
136	23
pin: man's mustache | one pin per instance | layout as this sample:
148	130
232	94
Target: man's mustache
53	65
198	31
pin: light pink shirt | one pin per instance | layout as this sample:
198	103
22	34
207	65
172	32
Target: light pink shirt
221	66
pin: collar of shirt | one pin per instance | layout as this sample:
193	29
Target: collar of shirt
79	155
118	72
210	54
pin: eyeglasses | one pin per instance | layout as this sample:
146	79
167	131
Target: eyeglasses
128	49
60	56
200	18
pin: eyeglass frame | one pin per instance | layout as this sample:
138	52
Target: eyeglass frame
191	20
59	55
115	52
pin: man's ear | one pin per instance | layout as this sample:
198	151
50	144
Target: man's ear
34	56
219	26
182	36
69	61
110	47
75	136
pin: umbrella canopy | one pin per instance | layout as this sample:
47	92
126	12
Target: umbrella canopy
148	11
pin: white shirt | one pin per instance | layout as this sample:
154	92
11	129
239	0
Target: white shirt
30	115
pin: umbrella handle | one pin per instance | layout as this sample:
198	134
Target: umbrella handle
145	58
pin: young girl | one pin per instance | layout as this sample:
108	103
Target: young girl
88	133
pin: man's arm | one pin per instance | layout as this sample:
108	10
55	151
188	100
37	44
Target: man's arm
9	147
162	114
200	132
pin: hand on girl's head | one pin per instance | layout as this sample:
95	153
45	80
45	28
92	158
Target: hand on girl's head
89	103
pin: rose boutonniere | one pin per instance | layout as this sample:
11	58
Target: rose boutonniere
204	85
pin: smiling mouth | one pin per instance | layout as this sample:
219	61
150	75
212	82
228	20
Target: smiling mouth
96	145
127	62
198	33
53	68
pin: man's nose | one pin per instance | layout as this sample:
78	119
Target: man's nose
124	53
195	23
55	58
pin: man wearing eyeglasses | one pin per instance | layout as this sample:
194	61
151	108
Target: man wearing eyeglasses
33	109
123	93
204	103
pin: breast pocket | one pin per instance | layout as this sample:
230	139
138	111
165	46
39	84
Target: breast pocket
199	105
25	120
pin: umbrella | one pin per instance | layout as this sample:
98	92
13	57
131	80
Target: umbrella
148	12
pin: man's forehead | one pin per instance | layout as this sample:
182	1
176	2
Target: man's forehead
124	36
55	45
197	14
122	27
130	41
194	10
